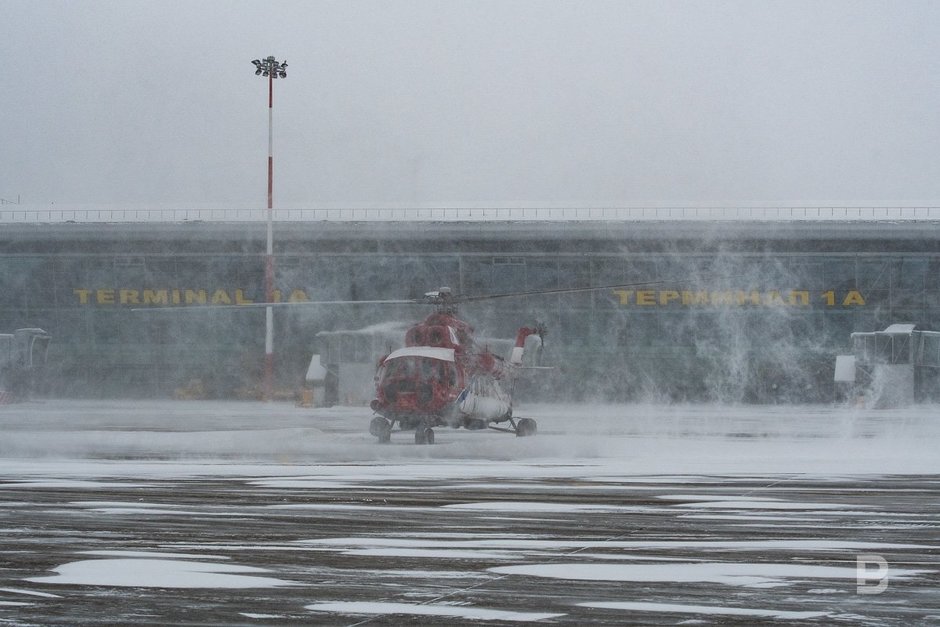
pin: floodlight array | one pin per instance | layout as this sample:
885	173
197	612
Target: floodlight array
270	67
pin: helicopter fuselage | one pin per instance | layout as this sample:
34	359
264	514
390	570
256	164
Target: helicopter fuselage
441	377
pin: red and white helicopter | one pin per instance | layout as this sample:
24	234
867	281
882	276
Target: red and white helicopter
443	377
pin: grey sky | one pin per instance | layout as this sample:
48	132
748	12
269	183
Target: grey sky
507	102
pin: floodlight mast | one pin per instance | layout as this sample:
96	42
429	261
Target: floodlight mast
271	69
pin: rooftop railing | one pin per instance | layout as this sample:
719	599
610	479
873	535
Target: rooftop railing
40	214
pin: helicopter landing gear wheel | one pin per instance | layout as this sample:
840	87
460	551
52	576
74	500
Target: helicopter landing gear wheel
424	435
381	429
526	427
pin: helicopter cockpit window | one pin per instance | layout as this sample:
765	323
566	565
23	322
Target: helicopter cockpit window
425	369
399	368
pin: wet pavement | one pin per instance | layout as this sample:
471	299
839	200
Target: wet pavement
425	541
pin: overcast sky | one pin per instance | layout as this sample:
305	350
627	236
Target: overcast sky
587	102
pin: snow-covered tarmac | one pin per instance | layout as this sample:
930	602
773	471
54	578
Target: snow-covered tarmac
124	512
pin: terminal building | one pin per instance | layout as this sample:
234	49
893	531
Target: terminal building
733	311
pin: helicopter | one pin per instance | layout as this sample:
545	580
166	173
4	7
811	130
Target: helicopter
443	377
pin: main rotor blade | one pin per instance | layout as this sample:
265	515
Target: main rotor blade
300	303
565	290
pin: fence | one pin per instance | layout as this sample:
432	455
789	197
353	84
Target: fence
33	214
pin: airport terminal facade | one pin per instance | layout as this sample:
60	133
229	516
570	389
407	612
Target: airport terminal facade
729	311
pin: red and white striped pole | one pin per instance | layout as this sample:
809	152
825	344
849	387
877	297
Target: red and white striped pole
271	69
